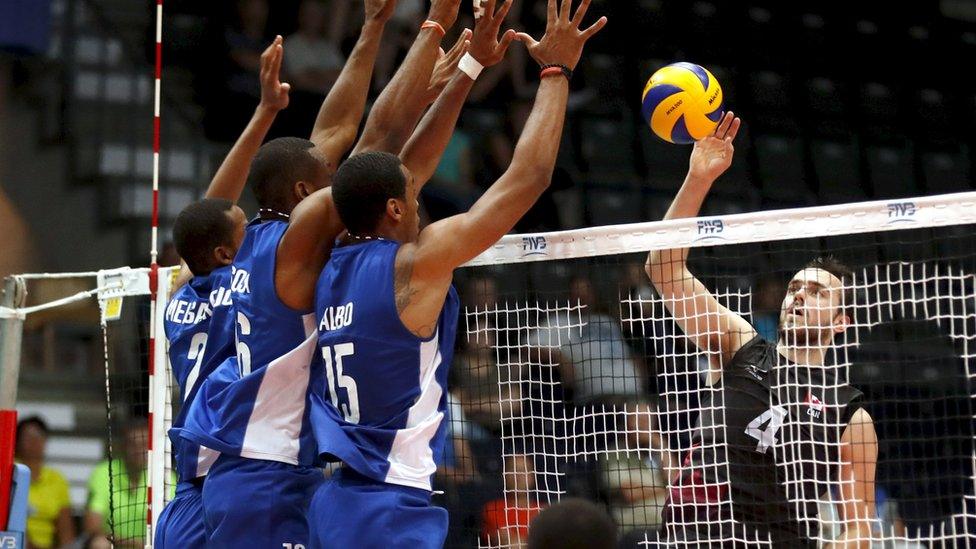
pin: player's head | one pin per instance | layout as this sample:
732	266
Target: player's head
31	439
375	195
208	233
818	303
285	171
572	523
136	433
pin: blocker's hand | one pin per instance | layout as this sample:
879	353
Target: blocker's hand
563	42
274	93
486	48
444	12
713	154
446	65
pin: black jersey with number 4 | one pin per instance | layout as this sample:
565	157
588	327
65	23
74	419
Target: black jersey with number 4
766	447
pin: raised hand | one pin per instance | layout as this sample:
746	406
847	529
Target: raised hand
563	42
274	93
444	12
713	154
446	65
380	10
486	48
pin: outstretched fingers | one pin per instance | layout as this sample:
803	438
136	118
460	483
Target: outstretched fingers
565	10
595	28
503	12
581	13
506	41
733	130
724	124
526	39
551	14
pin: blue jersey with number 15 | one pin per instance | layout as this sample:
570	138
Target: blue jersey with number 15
380	404
263	414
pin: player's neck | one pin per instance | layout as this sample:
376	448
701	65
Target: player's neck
807	355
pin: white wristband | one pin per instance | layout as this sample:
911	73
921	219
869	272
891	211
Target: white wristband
470	66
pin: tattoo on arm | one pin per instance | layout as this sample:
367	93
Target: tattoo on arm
401	282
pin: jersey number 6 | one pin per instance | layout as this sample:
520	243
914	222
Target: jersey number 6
337	380
765	427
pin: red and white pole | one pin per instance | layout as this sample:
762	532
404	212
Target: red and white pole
155	482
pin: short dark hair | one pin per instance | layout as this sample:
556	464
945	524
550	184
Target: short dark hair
362	187
201	227
279	164
36	421
843	273
572	523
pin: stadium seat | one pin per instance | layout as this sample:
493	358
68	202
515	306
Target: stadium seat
772	104
614	206
781	170
607	147
946	171
837	170
890	170
933	120
826	108
878	110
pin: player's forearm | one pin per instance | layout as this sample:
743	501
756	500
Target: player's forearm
343	108
423	152
665	266
398	109
228	183
535	154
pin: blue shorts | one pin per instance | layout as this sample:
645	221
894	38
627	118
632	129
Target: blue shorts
181	522
350	510
256	503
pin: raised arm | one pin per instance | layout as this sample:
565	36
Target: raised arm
398	109
305	247
338	120
859	461
228	182
447	244
423	152
712	327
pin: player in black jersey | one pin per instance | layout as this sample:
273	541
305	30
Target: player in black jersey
778	429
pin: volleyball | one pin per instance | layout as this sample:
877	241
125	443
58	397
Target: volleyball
682	103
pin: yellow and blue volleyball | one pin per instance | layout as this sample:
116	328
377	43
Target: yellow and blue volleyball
682	103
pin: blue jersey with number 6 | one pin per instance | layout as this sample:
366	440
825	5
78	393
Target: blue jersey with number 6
381	401
199	340
263	415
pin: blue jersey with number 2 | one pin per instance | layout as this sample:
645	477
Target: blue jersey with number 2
380	404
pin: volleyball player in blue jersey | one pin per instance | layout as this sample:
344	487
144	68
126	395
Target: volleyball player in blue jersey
198	321
386	312
257	491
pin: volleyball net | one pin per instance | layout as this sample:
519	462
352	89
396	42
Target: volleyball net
83	355
575	377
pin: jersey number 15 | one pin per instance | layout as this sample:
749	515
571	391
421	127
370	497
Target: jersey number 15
348	407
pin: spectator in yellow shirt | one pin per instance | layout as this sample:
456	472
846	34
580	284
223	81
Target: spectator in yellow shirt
49	521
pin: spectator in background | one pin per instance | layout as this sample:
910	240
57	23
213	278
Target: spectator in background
314	61
117	491
636	477
766	303
49	522
595	363
245	41
572	524
506	519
